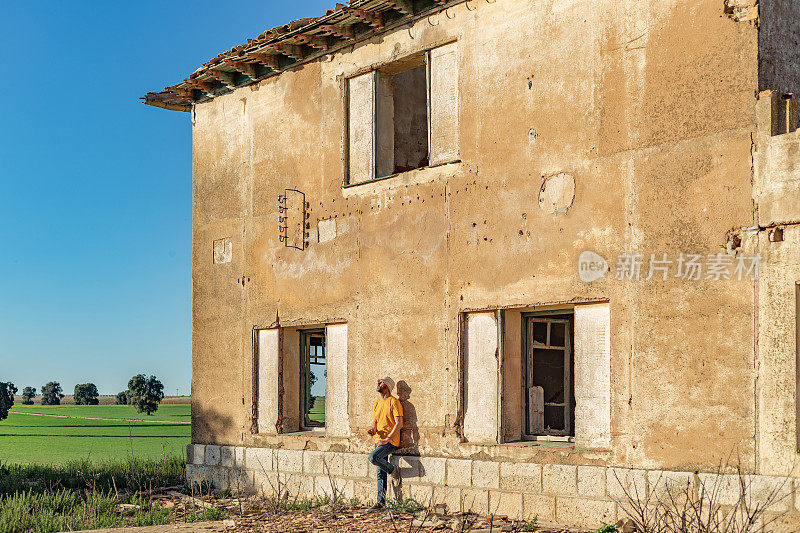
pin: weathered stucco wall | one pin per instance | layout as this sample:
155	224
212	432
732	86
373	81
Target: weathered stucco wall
647	107
777	202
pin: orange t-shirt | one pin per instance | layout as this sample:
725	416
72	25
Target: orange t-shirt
384	411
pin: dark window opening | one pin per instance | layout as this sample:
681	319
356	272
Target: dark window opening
549	374
784	114
312	350
402	117
410	119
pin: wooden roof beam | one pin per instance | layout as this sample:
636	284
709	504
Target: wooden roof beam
248	69
228	79
201	85
372	18
181	92
319	42
291	50
406	7
340	30
267	60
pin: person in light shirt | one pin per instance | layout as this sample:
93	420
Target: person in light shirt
387	421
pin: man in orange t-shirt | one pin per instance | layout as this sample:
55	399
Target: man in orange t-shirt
387	421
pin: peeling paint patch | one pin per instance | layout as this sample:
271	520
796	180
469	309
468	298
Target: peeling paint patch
557	193
223	251
742	10
326	230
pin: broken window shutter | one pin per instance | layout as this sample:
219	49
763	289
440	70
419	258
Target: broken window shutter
444	104
337	419
268	371
593	375
536	410
361	127
480	377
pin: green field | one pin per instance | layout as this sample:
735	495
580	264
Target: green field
28	438
317	413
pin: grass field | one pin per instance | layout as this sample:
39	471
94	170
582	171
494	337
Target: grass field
29	438
80	494
317	413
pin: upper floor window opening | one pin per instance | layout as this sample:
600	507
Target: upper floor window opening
403	116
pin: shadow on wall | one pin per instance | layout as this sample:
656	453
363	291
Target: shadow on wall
210	426
410	433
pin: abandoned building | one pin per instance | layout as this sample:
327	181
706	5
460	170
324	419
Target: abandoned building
567	229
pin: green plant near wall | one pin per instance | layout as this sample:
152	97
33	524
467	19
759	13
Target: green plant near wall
606	528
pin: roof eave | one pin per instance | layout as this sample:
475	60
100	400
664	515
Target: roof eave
237	67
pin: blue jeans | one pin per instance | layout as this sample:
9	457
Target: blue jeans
379	457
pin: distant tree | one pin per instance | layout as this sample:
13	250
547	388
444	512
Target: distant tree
311	398
122	398
51	393
7	392
145	393
86	394
27	395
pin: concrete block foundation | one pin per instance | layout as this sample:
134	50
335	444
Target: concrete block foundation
572	495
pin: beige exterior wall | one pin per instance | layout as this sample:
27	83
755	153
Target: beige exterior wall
777	201
647	107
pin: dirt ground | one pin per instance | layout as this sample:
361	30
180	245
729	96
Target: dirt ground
312	522
253	515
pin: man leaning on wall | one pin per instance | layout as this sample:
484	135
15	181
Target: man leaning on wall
387	421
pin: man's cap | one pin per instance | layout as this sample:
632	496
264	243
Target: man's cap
389	381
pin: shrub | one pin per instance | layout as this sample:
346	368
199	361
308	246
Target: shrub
145	393
122	398
606	528
686	507
28	394
51	393
7	392
86	394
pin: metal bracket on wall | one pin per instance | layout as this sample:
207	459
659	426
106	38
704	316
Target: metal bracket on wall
293	218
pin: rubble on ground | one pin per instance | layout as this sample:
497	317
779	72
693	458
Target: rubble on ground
265	515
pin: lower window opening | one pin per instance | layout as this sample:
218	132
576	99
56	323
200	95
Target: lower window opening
312	350
548	374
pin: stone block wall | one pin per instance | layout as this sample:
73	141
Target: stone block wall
573	495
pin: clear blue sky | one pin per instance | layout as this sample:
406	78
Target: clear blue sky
95	187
